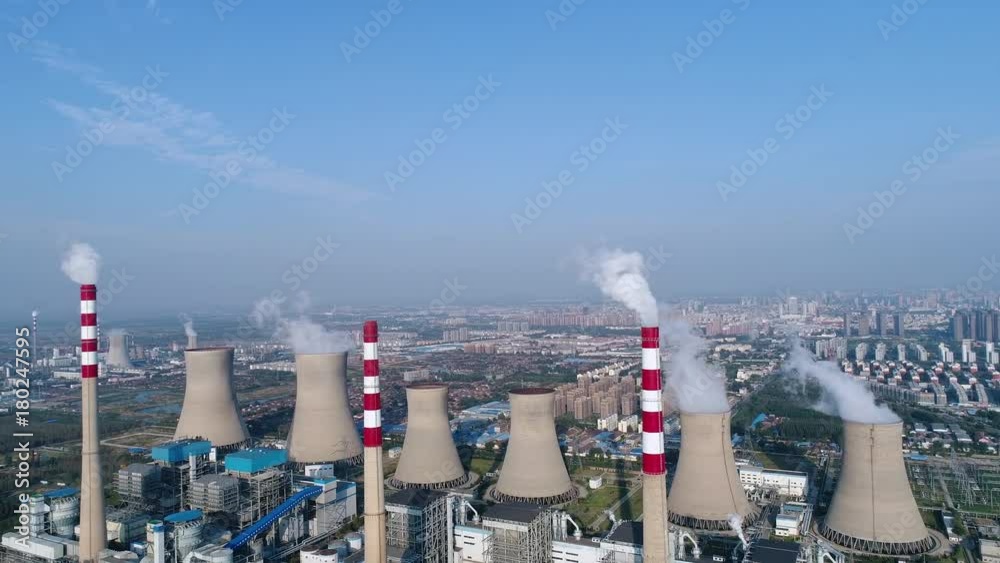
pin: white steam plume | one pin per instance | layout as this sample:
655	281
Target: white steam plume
308	337
81	263
188	325
736	523
696	385
843	396
621	276
301	334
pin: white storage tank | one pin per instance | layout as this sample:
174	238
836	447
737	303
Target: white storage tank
65	513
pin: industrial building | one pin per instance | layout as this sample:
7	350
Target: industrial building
794	484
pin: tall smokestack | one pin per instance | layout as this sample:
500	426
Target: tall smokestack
429	459
706	492
93	533
654	458
375	521
34	337
873	509
210	409
322	427
533	468
192	341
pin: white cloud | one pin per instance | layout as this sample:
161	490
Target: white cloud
173	132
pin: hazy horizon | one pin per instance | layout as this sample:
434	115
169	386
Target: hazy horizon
340	112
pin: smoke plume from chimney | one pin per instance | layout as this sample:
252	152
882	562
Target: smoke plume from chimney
842	396
696	385
621	276
81	263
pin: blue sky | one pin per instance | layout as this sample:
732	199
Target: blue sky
556	81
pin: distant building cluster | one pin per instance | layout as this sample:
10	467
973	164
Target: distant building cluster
584	319
607	397
456	335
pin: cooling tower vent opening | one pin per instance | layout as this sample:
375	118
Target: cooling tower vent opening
209	349
531	391
427	386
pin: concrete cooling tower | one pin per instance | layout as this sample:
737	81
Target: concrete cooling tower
533	469
210	408
429	459
706	491
873	509
322	428
117	351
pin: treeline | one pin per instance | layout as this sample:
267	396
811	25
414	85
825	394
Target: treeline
52	428
791	402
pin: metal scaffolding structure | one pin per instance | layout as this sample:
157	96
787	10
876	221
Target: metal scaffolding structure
261	493
139	485
966	484
522	533
215	493
417	522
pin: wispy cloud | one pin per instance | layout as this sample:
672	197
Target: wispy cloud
174	132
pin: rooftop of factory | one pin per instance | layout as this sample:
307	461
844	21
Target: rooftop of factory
627	532
524	513
258	459
186	516
767	551
488	410
415	498
213	478
180	450
61	493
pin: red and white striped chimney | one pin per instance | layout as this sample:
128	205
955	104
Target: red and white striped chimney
88	331
372	388
654	458
375	520
93	534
